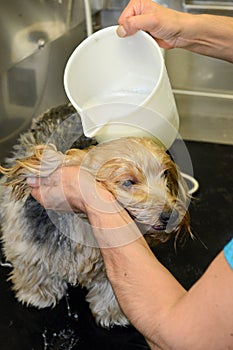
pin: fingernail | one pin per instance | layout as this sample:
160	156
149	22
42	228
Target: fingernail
121	31
31	180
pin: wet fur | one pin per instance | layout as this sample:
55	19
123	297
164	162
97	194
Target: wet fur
49	250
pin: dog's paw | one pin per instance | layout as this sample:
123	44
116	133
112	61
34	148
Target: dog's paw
107	314
104	305
109	318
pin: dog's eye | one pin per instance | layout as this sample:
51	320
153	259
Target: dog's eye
128	183
165	173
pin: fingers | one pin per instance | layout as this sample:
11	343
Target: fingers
131	19
121	32
126	25
129	10
32	181
35	192
60	191
147	22
131	25
45	189
51	197
53	179
69	189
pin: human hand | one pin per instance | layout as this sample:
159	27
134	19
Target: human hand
57	191
71	189
164	24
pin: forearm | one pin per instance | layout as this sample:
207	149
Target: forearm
166	314
145	290
207	35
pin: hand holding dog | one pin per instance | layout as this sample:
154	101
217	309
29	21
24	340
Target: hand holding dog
74	189
57	191
70	189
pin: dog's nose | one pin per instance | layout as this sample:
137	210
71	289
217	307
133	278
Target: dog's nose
169	215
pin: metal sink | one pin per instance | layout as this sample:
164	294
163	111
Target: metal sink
203	89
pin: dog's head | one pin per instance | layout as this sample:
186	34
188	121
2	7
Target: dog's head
137	171
147	183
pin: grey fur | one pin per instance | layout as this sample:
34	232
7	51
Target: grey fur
50	250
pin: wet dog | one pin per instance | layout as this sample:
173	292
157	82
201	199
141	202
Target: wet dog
49	250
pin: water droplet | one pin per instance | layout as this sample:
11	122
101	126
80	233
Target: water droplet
75	316
44	335
68	305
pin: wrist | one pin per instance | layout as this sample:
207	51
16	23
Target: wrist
188	30
111	224
97	200
206	34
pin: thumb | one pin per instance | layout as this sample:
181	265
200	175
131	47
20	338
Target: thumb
131	25
121	32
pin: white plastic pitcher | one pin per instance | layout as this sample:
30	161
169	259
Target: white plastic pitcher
120	87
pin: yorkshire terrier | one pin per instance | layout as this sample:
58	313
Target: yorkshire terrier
49	250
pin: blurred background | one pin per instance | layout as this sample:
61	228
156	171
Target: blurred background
38	36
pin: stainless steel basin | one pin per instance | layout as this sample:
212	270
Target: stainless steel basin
203	89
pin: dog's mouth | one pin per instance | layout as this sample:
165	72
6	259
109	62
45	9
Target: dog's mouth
158	227
151	229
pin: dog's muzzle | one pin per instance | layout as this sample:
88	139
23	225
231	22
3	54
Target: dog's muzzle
166	217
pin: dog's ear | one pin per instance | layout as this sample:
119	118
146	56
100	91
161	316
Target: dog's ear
171	176
184	229
179	190
158	238
115	170
75	156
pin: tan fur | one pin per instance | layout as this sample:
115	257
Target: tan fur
142	177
